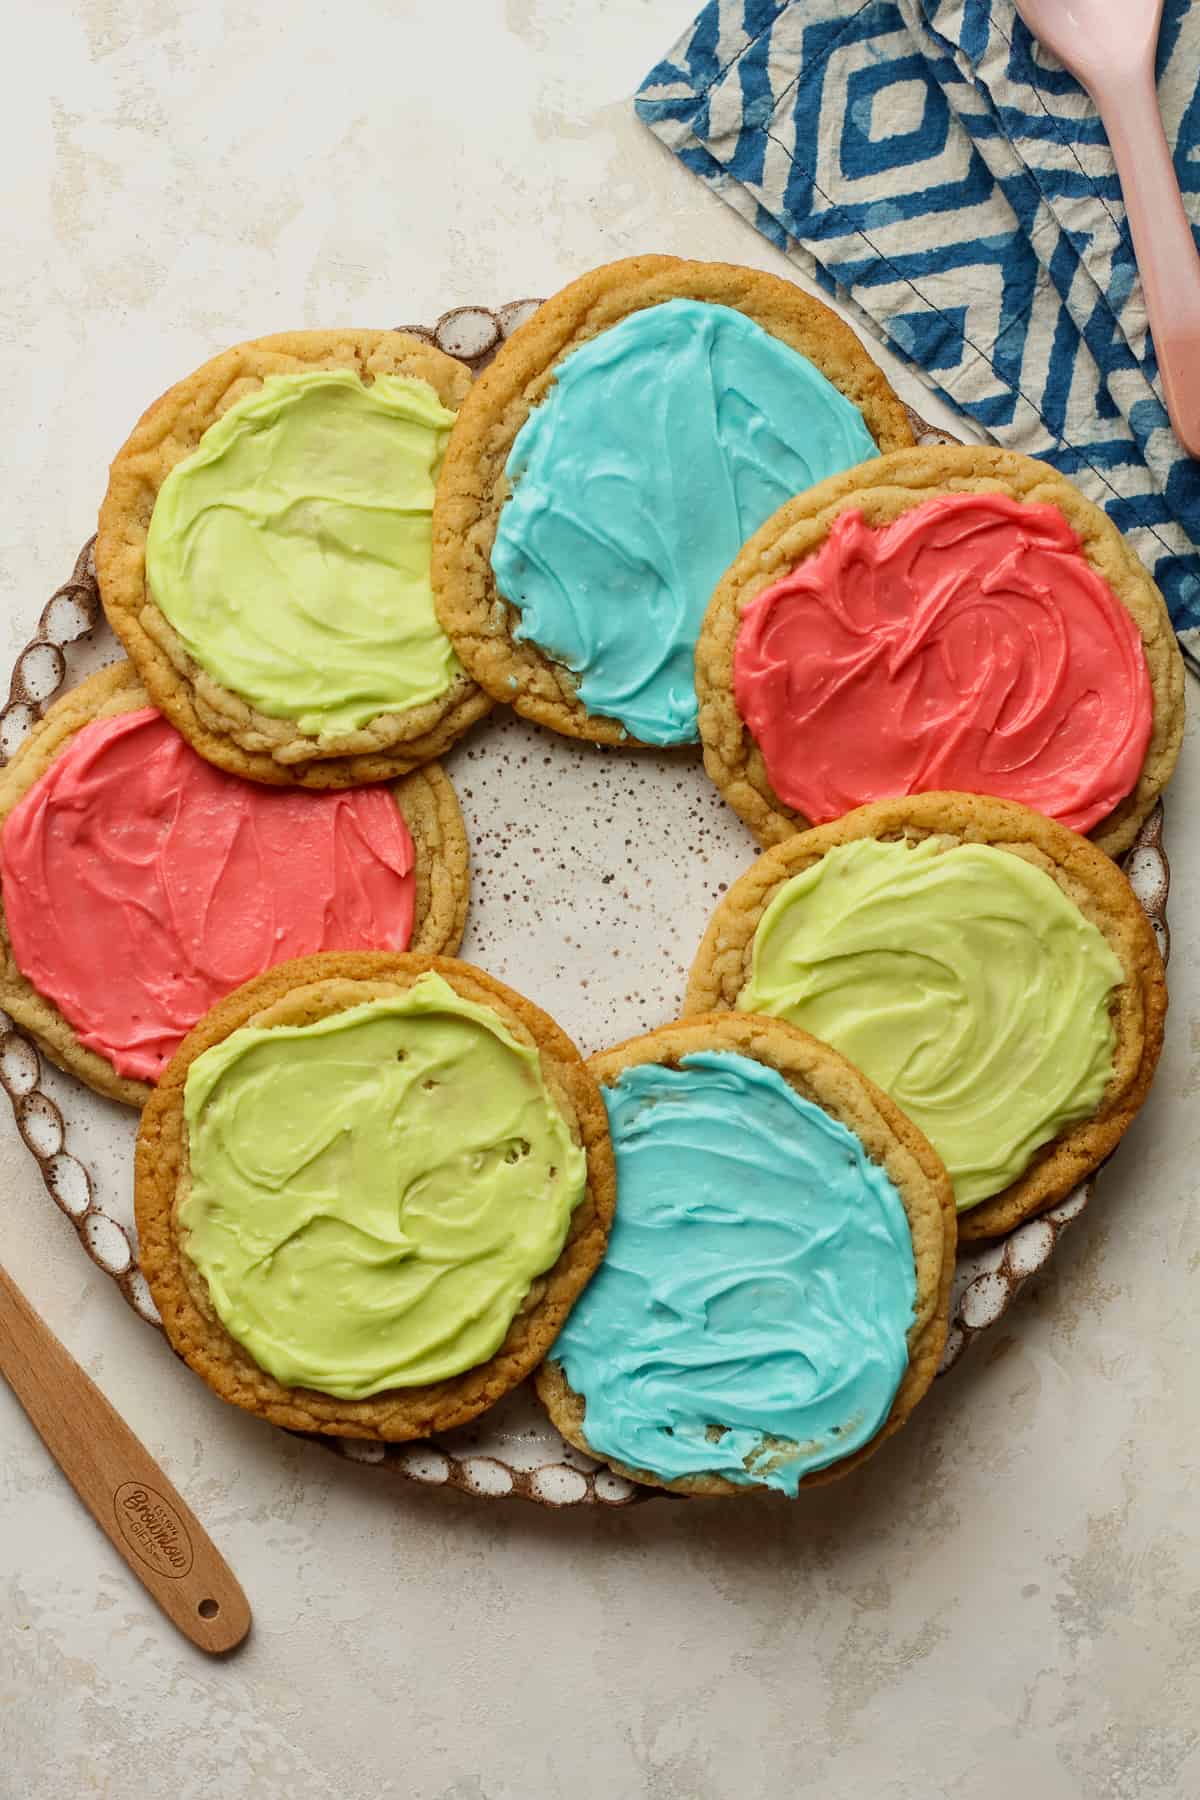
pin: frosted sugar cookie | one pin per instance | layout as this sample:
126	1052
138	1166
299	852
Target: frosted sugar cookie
263	555
989	969
609	464
368	1189
773	1300
948	617
141	885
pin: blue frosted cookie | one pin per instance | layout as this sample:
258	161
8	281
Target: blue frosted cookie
610	465
773	1300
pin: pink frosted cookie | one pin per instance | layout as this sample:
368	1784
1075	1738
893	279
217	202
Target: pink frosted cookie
949	618
141	884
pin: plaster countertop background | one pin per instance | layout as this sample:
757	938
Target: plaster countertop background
1008	1599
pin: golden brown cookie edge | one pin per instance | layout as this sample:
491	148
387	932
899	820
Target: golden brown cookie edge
441	861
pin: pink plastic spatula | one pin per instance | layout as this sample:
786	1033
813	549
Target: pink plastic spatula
1108	45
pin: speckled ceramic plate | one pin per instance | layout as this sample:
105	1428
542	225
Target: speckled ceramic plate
593	876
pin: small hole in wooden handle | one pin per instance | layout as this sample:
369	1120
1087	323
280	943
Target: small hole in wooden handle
208	1609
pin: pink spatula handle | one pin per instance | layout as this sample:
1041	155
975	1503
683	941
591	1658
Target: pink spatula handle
119	1482
1162	240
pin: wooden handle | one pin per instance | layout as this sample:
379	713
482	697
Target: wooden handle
119	1482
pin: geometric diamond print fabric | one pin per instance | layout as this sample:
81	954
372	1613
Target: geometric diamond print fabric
951	185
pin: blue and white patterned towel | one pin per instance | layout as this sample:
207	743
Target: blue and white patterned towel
951	185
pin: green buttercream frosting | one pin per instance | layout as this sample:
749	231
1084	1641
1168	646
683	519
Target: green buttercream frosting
961	979
290	550
373	1195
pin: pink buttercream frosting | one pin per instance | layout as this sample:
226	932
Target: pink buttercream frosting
969	645
141	885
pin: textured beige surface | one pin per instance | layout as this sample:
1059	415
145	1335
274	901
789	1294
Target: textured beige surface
1003	1600
222	725
298	993
431	811
1083	872
882	492
820	1075
473	486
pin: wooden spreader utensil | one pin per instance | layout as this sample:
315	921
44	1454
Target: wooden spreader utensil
119	1482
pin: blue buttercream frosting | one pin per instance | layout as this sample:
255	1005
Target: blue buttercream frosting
750	1317
664	443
